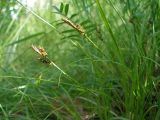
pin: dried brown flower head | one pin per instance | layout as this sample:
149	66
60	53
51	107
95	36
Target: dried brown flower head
40	50
43	54
76	27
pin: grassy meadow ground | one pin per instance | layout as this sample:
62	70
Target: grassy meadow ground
103	60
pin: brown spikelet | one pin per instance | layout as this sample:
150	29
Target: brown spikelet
40	50
43	54
76	27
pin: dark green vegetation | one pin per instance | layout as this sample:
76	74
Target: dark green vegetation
109	72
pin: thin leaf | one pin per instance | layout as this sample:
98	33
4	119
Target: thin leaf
69	31
26	38
73	15
107	25
61	7
58	13
55	7
71	36
59	23
86	22
66	9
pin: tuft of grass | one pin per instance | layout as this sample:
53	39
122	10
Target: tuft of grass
102	60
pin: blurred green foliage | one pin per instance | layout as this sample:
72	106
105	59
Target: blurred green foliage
110	72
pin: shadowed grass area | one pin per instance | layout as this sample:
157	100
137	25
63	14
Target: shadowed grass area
80	60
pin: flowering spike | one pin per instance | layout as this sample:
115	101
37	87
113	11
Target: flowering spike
76	27
43	54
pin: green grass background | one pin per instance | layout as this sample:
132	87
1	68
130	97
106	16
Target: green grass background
110	73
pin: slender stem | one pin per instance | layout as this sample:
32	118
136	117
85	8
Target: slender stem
52	63
68	76
39	17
